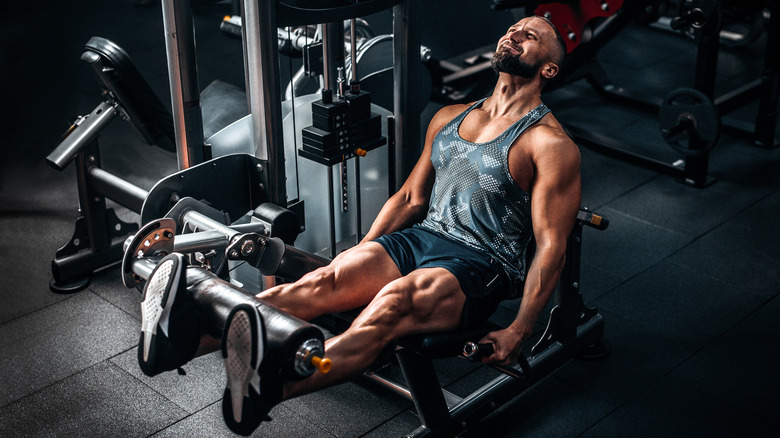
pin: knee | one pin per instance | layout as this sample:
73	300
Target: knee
387	310
302	299
320	283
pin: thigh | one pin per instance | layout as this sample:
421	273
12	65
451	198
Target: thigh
425	300
361	272
350	281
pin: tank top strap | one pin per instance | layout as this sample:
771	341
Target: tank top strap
459	118
515	129
529	119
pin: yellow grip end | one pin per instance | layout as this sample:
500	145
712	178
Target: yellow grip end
322	364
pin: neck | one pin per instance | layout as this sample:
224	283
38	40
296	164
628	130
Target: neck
514	95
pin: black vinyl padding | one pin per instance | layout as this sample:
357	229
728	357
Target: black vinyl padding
117	74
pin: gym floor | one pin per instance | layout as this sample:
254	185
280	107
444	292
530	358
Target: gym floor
688	279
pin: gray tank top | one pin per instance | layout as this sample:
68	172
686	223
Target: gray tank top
475	200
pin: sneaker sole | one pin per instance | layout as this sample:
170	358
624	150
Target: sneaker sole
242	350
156	307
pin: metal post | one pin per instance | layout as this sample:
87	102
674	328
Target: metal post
568	290
707	56
183	77
332	53
425	389
331	214
406	74
91	203
358	216
264	95
766	120
706	69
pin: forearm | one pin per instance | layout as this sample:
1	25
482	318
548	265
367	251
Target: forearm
541	280
539	285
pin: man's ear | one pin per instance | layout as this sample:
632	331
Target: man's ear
550	70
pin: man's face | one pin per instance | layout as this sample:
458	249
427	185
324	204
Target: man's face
521	50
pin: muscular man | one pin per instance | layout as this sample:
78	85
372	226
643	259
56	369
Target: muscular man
449	246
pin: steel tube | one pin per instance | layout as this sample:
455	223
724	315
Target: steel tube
353	49
332	53
406	74
117	189
331	215
264	94
201	241
200	222
358	207
183	77
82	134
391	385
143	267
326	74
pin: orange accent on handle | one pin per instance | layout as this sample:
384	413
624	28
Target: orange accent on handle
323	364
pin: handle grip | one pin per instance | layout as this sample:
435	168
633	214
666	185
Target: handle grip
474	351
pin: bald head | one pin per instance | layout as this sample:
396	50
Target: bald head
558	51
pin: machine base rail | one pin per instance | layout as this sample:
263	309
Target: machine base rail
504	388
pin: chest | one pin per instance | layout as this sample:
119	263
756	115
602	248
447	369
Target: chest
479	129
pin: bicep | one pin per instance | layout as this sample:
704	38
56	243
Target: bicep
556	192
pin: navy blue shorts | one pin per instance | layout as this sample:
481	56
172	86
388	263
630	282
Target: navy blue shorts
482	278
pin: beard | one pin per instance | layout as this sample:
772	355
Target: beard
505	62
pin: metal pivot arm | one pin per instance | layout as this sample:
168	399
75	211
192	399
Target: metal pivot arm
84	131
254	242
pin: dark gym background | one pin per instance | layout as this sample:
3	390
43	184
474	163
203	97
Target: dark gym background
687	279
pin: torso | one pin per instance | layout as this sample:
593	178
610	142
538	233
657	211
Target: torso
478	127
483	176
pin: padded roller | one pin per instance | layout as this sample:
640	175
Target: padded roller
215	298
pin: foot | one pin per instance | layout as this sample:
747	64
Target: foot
169	334
253	383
